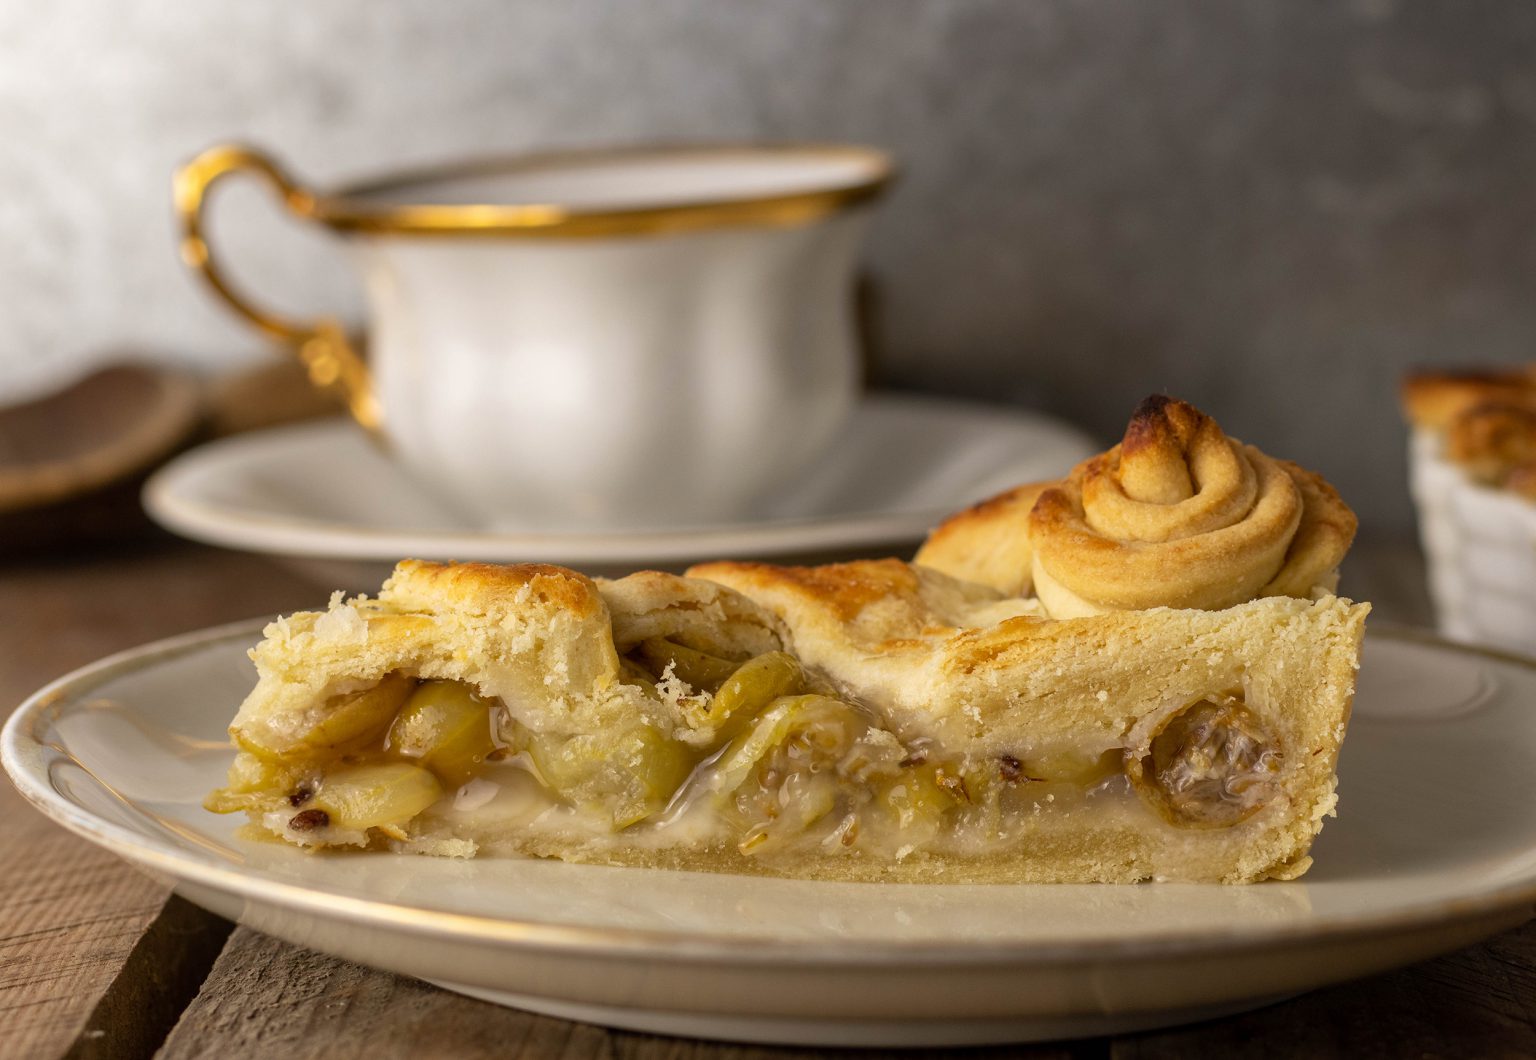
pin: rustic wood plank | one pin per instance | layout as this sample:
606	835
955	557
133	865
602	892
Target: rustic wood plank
267	998
70	913
1478	1002
160	976
69	916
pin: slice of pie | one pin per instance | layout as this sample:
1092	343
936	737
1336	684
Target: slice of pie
875	720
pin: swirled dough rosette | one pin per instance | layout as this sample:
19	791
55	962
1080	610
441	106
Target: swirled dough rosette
1177	515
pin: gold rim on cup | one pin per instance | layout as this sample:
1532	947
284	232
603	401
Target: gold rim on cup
333	361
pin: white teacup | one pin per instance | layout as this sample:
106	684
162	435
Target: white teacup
637	337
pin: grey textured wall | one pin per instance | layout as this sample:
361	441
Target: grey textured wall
1267	206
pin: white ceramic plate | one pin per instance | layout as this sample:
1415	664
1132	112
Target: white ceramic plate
1435	848
323	491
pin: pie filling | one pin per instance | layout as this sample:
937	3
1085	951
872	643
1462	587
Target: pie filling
770	759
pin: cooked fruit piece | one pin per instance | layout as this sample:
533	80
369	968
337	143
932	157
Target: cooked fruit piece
628	775
255	781
750	688
446	727
1210	766
377	795
351	720
701	670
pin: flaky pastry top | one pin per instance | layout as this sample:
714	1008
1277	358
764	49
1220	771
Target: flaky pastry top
543	639
960	662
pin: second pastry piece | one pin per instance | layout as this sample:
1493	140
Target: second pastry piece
1176	515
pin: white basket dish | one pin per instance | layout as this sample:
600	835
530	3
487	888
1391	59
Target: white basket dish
1480	544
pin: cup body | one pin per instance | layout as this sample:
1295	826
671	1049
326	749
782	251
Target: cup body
633	380
615	339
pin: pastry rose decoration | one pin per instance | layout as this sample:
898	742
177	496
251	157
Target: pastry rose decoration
1176	515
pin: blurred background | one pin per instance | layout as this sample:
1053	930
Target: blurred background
1267	207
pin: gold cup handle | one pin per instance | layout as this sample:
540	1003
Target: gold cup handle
321	345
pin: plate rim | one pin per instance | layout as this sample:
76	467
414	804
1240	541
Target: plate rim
213	523
22	755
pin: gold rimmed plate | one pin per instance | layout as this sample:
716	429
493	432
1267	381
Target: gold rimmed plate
1434	848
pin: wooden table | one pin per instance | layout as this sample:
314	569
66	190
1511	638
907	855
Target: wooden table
97	960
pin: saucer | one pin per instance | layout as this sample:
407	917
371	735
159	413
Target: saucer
324	495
